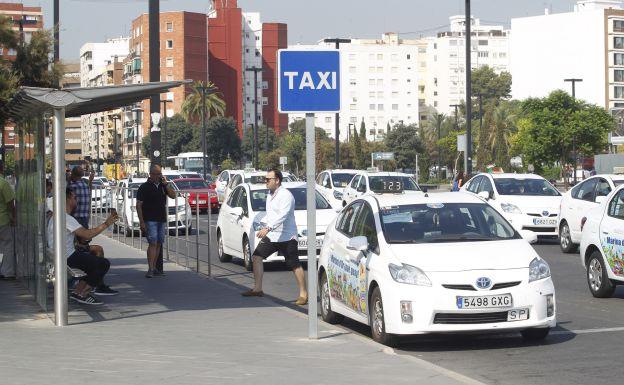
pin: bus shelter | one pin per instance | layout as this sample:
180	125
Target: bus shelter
37	114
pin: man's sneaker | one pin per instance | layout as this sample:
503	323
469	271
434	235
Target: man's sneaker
149	274
104	290
158	273
87	300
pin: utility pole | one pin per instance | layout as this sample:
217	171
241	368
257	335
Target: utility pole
154	74
337	42
574	81
254	152
137	123
115	144
56	33
164	132
468	153
97	146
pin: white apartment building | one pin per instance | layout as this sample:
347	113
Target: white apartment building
587	44
95	71
379	86
446	60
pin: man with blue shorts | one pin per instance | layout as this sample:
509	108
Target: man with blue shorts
151	207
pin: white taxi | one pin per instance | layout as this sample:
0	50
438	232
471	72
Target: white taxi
602	244
575	204
222	181
331	184
438	263
365	182
527	201
242	214
253	177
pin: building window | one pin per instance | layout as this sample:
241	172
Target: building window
618	59
371	94
328	119
484	54
371	69
371	82
169	78
380	107
371	107
483	42
380	70
169	27
618	25
380	94
169	44
618	76
618	92
395	82
380	82
395	107
394	57
352	70
409	56
395	94
351	56
371	56
353	106
353	119
169	62
379	56
502	55
394	70
618	42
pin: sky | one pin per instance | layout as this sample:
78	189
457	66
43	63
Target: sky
84	21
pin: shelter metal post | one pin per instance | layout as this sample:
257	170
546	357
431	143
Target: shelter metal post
60	260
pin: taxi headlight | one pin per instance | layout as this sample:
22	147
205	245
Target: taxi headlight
337	195
538	269
510	208
408	274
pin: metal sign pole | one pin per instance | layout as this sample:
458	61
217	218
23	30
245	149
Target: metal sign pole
311	205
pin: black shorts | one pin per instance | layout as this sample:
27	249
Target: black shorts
289	249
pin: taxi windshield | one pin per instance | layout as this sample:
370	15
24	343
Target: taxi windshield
341	179
259	197
407	183
444	222
516	186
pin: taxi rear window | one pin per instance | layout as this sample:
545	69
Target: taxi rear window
444	222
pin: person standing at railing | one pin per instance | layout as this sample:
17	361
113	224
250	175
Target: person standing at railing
82	190
151	206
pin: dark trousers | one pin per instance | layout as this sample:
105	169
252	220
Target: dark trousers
95	267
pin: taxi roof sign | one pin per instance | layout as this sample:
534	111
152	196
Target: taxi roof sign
388	185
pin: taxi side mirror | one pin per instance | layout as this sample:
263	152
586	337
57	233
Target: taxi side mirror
359	243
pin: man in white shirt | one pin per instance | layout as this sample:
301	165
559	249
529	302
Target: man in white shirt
95	267
278	234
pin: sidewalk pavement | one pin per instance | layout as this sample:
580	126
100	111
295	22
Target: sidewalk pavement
188	329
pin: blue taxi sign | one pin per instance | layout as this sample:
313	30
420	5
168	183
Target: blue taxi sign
308	81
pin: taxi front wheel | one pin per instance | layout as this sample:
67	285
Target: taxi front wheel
327	313
377	321
597	278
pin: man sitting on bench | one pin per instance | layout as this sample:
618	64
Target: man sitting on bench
94	266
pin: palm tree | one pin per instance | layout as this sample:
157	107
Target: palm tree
192	106
502	128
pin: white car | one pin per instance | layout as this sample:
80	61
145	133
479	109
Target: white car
253	177
331	184
575	204
222	181
438	263
101	197
171	174
126	208
365	182
602	244
527	201
243	212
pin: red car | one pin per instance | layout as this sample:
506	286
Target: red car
199	189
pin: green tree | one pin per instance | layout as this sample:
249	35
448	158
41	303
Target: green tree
293	147
222	140
356	159
501	128
490	85
192	105
548	127
405	142
9	163
247	141
33	64
363	131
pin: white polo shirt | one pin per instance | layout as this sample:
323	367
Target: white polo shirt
280	215
71	225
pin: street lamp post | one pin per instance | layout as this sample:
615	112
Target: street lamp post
97	146
337	42
205	91
574	81
164	131
468	153
137	121
115	144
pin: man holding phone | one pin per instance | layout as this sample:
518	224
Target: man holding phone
151	206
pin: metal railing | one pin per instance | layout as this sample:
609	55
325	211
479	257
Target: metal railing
188	237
